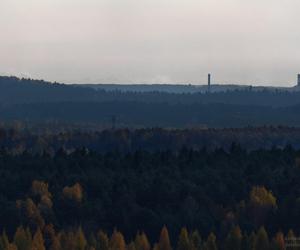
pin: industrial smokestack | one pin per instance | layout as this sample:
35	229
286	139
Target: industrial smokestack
208	82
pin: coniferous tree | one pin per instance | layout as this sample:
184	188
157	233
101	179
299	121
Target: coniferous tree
279	239
262	202
142	242
102	241
117	241
4	242
38	241
234	239
164	240
184	241
211	243
81	242
291	240
23	239
262	240
196	241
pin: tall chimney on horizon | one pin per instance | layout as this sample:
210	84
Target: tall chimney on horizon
209	78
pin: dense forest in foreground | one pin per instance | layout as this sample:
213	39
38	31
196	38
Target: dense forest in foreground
143	191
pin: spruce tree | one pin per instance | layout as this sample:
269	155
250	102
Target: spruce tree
234	239
38	241
23	239
196	241
81	242
142	242
164	240
4	242
102	241
262	240
117	241
183	241
211	243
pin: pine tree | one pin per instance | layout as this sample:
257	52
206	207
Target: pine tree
184	241
80	240
117	241
164	240
196	241
142	242
102	241
261	202
23	239
234	239
4	242
291	240
38	241
279	238
211	243
262	240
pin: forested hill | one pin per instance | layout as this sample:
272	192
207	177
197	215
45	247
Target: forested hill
39	101
15	90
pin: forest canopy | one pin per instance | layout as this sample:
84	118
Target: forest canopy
40	101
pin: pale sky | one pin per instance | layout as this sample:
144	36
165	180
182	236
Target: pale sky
151	41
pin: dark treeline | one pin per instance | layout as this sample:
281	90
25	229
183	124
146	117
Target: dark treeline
39	101
77	239
50	137
204	191
14	90
140	115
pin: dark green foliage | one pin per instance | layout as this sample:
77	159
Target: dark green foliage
143	191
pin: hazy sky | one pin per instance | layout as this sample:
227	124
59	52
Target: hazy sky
151	41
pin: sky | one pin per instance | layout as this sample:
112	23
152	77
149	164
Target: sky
151	41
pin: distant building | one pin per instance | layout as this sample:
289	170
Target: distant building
298	80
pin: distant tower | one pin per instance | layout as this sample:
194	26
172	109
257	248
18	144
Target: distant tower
208	82
298	80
